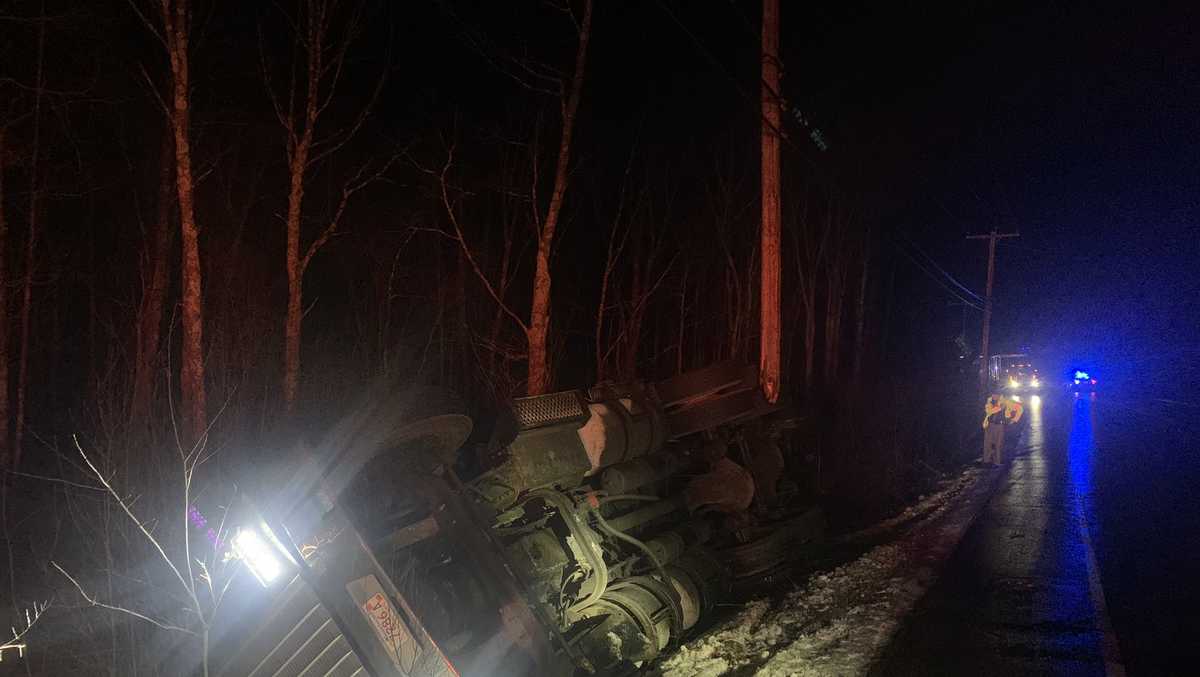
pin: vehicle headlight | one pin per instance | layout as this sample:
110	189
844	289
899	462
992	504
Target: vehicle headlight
261	554
1012	383
1035	383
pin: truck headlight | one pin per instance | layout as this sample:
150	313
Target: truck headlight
1012	383
260	553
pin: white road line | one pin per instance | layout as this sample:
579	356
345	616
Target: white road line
1113	665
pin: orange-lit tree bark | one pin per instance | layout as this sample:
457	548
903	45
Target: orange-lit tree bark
325	59
156	271
538	330
174	33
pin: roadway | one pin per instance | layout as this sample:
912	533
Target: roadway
1086	560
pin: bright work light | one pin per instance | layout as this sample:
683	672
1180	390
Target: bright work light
259	554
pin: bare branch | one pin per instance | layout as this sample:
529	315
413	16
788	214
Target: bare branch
639	305
92	601
149	24
265	68
538	72
338	140
56	480
449	206
355	184
30	620
141	526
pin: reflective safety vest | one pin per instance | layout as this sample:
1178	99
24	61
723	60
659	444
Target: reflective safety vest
1013	411
992	409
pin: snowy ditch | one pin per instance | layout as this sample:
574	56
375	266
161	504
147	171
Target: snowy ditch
839	621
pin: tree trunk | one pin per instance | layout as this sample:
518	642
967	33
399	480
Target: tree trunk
35	202
539	313
610	260
5	450
192	382
295	275
538	381
833	324
299	148
24	322
156	270
632	332
683	289
860	327
496	357
890	294
810	334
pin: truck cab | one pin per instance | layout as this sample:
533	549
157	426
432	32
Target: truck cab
1014	373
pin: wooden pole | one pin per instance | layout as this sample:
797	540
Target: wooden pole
769	339
987	302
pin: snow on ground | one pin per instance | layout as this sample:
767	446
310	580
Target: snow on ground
839	620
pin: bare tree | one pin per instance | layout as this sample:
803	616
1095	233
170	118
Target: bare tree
634	270
309	96
618	237
835	294
198	582
546	221
539	312
173	31
860	327
5	451
156	271
809	246
31	242
729	205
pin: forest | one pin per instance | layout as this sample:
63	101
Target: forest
222	224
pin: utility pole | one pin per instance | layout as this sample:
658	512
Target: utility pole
987	300
769	318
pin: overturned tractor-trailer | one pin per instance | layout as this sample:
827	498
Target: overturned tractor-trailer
594	531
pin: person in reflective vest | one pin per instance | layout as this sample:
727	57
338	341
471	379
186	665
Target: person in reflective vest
994	415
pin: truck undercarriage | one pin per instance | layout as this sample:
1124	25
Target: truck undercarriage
591	533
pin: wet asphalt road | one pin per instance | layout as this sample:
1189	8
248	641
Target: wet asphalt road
1086	561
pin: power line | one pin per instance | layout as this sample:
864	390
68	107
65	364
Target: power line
966	301
815	134
947	275
971	299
